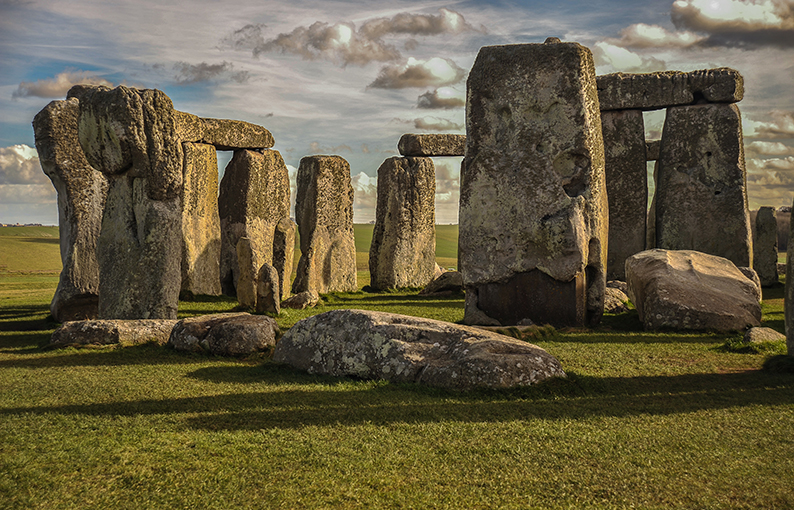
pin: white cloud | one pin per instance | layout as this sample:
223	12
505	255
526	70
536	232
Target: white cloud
196	73
27	194
621	59
444	97
641	35
58	86
436	124
365	197
19	164
759	148
781	125
435	72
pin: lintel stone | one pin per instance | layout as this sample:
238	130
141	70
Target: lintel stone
432	145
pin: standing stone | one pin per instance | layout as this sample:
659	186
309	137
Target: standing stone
131	136
254	198
324	211
650	225
403	250
627	186
701	197
246	283
201	224
788	302
765	246
533	205
284	253
268	295
82	192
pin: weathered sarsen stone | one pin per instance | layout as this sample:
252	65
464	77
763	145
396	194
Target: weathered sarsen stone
701	197
284	253
324	212
403	249
246	283
788	301
378	345
691	290
254	198
82	191
224	334
432	145
268	293
765	246
627	186
223	134
201	224
653	91
113	332
533	205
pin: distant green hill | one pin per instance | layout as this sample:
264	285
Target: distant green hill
29	232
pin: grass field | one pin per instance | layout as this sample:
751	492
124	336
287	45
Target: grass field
644	420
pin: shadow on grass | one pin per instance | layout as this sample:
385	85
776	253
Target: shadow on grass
40	240
145	354
340	402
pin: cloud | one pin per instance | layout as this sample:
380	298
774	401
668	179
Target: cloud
781	126
447	189
365	197
316	148
641	35
27	194
444	97
621	59
19	164
435	72
771	172
740	23
58	86
436	124
767	149
188	74
343	44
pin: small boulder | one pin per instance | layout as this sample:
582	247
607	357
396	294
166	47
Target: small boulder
448	282
761	335
224	334
615	301
112	331
378	345
617	284
301	300
691	290
268	293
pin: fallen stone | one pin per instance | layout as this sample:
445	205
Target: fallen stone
448	281
533	202
653	91
765	246
301	300
377	345
761	335
324	213
268	294
110	332
432	145
701	195
403	249
615	301
652	149
82	191
688	290
224	334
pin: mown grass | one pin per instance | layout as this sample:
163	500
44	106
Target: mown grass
644	420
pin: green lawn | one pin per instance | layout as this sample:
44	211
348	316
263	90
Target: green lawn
644	420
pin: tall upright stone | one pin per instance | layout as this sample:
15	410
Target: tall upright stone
82	191
627	187
701	197
201	224
284	253
324	212
131	136
533	206
403	249
788	302
765	246
254	198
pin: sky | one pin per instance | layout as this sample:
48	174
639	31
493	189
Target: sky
349	77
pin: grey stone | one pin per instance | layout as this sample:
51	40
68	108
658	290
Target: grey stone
653	91
201	224
701	197
254	198
324	213
652	149
112	332
788	301
302	300
268	294
650	222
761	335
377	345
751	275
225	334
533	206
689	290
403	248
246	282
627	186
783	227
82	191
448	281
615	301
765	246
781	268
284	253
223	134
617	284
432	145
